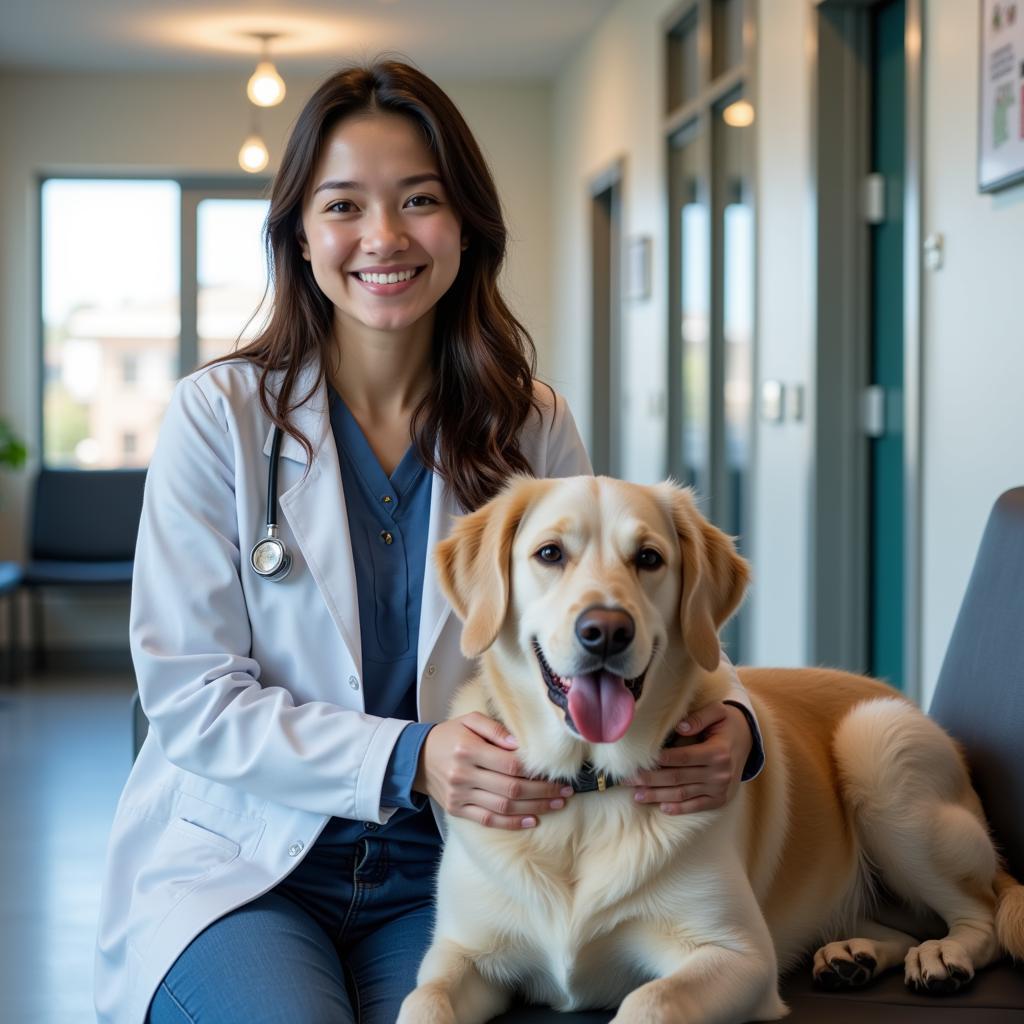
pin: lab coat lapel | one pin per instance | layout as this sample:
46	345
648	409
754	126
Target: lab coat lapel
434	609
314	508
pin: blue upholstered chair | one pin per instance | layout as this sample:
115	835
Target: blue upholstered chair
84	526
10	580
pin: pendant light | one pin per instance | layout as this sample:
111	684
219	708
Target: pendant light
253	155
266	87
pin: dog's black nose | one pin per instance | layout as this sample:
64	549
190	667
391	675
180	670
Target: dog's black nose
605	631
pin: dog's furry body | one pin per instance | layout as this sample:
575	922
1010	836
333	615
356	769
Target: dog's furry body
689	918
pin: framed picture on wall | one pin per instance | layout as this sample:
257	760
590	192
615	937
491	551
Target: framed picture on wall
1001	95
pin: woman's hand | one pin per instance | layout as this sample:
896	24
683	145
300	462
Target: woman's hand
704	775
466	765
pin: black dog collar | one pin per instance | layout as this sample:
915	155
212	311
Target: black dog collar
590	781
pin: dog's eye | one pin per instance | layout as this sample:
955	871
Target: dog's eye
648	558
550	553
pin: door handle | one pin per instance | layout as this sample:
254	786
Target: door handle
872	411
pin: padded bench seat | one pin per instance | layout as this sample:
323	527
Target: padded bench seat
996	996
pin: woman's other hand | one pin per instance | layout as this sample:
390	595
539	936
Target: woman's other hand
468	766
700	776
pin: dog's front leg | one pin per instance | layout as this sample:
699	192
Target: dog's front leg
712	984
450	990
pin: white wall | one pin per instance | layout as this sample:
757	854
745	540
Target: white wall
607	105
193	124
781	544
974	339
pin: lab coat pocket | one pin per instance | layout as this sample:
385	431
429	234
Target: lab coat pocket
183	857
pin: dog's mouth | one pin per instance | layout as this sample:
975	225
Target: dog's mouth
599	706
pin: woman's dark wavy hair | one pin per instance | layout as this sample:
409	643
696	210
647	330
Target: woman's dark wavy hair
483	359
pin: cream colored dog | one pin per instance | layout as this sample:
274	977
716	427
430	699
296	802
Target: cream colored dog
596	606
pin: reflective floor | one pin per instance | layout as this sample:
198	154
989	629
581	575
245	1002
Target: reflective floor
65	751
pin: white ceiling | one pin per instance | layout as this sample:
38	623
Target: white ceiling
446	38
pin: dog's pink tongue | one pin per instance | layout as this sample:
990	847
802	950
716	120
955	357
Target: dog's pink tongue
601	706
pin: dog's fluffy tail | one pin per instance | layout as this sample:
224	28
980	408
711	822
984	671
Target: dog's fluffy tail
1010	914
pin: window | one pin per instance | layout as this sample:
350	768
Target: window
140	282
231	273
708	128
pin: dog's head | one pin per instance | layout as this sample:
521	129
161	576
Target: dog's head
593	591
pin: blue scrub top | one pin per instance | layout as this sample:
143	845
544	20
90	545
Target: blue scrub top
388	519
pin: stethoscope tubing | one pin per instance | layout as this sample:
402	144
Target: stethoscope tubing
269	557
275	451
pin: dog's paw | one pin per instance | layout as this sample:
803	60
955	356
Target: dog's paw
426	1005
849	964
938	967
652	1003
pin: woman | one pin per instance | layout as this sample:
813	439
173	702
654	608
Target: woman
272	853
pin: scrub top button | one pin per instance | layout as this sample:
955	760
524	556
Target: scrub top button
386	536
295	849
386	499
353	682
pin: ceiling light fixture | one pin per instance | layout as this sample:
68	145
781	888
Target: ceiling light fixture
266	87
253	155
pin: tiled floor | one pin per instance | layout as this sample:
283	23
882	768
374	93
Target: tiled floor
65	751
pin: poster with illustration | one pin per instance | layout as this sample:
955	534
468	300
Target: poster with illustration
1001	127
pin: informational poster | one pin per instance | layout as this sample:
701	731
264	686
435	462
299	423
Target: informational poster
1001	127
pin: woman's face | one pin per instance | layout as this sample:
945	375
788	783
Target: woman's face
365	214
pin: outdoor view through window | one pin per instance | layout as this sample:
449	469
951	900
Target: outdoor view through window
112	295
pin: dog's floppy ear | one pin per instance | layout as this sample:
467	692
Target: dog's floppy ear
474	564
715	578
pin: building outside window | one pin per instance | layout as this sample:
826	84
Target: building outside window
141	280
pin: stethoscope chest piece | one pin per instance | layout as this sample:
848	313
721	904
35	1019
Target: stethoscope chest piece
269	558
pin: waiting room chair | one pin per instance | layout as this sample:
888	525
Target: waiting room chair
10	580
84	526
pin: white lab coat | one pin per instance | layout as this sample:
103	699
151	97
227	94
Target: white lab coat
254	689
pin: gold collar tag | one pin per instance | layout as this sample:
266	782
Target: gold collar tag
601	781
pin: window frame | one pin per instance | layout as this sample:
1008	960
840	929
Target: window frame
690	121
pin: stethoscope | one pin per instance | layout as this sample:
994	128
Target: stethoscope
269	557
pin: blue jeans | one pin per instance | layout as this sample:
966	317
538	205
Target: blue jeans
339	941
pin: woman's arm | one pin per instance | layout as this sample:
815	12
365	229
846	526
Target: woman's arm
191	642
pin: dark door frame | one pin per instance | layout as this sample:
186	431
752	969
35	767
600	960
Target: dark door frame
838	627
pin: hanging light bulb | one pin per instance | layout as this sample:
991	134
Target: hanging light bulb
253	155
266	87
